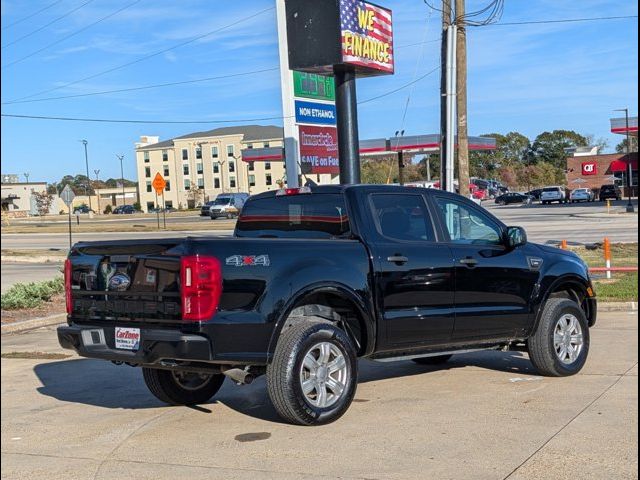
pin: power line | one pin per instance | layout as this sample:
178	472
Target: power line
145	87
400	88
107	120
565	20
47	24
32	15
151	55
106	17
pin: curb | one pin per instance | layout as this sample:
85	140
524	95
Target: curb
618	307
26	325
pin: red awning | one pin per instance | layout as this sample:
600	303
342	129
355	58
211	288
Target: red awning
622	165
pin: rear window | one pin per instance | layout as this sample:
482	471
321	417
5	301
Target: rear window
551	189
294	216
607	187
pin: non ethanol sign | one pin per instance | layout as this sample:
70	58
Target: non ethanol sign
315	113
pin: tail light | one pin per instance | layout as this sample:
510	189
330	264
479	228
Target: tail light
201	287
67	286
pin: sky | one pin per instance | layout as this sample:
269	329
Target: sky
526	78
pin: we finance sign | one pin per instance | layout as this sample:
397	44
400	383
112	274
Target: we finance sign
367	35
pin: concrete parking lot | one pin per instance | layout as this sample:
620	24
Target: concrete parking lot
482	416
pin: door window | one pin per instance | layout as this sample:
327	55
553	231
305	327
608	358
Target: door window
402	217
468	226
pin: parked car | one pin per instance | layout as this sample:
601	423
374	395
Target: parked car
513	197
315	278
124	210
582	195
227	205
162	209
82	209
204	210
554	194
610	191
535	193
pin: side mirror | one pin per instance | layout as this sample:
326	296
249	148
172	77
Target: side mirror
516	237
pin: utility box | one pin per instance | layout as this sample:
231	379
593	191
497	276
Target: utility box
327	34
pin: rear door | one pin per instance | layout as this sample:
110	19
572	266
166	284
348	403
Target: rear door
493	283
413	272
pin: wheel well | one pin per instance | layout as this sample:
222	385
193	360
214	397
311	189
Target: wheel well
576	293
336	309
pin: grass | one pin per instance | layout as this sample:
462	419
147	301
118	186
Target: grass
31	295
97	227
35	355
623	287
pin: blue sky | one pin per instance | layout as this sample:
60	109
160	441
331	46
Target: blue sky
528	78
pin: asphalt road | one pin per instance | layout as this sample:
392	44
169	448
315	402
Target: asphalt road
483	415
13	273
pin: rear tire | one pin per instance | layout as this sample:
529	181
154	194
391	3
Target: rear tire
181	388
560	345
313	376
439	360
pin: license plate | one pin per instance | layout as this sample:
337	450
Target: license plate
127	338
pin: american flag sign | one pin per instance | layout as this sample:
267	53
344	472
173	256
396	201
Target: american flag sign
367	35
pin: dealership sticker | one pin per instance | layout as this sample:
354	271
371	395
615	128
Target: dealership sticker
127	338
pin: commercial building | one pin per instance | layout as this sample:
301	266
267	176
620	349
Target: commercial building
199	166
17	197
587	169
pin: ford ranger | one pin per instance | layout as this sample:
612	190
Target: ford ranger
315	278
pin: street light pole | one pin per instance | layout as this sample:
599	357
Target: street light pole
86	161
97	172
121	158
630	208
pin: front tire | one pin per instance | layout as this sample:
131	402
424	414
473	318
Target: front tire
313	376
560	345
181	388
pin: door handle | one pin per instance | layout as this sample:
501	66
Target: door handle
469	262
397	259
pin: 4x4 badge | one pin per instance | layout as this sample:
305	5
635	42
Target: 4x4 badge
248	260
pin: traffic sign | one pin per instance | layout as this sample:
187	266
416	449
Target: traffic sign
159	184
67	195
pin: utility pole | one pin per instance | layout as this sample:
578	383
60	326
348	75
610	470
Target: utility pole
97	172
446	23
121	158
461	99
86	161
26	175
630	208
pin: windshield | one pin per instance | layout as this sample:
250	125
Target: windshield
581	190
222	201
551	189
294	216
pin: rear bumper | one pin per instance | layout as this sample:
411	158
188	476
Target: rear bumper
155	345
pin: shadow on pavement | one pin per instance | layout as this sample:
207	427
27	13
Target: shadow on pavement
99	383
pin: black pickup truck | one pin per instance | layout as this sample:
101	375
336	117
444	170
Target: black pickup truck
316	277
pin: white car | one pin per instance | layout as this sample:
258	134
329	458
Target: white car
554	194
582	195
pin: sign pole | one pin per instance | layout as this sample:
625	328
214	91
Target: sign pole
157	211
70	242
291	156
164	212
347	116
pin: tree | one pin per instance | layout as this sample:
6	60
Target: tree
622	146
195	194
601	143
43	202
551	146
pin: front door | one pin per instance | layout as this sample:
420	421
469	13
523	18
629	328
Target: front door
493	283
414	282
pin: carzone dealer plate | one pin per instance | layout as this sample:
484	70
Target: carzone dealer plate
127	338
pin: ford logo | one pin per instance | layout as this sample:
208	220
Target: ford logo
119	282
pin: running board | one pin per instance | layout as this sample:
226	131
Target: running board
434	354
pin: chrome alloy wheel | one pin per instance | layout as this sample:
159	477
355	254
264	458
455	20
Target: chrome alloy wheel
324	374
190	380
567	338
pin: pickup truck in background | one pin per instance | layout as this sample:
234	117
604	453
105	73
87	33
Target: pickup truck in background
317	277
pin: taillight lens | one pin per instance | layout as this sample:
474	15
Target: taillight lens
201	287
67	286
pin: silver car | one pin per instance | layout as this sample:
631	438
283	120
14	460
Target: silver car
582	195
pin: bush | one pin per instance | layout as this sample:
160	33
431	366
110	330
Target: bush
108	209
137	206
30	295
